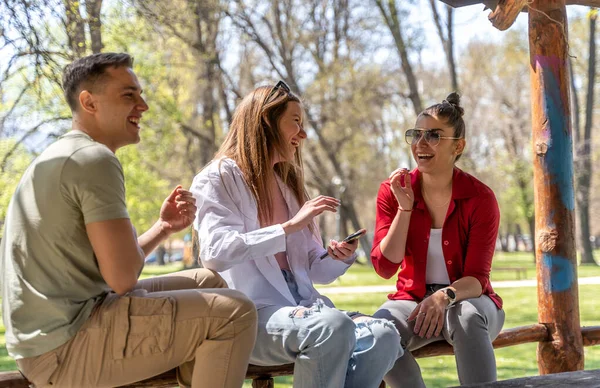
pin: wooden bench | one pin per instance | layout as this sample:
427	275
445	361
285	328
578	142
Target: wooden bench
579	379
262	377
519	271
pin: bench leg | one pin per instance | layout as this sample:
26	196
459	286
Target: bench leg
263	382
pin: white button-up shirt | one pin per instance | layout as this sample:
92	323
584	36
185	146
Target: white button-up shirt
233	243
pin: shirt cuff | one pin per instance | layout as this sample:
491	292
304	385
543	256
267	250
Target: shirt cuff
351	259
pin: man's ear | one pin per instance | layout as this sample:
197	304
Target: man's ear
87	102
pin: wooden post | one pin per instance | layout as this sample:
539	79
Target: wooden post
558	305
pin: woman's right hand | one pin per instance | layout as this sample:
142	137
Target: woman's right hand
310	210
402	189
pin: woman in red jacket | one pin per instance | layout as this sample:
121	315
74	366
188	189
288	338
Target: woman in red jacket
438	225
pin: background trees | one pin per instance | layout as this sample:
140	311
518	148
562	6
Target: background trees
361	67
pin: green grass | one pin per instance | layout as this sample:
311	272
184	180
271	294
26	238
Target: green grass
364	275
156	270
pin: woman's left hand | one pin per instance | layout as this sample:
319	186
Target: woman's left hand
341	250
429	315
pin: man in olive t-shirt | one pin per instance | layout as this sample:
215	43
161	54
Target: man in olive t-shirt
52	281
75	313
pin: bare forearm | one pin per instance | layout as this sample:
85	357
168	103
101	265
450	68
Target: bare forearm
467	287
152	237
393	245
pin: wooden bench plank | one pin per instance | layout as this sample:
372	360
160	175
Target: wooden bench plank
508	337
579	379
13	380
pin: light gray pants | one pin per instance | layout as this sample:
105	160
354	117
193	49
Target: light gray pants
470	327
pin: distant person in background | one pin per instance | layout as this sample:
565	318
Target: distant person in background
256	226
161	252
75	313
439	225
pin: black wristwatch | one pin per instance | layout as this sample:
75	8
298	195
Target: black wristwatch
450	294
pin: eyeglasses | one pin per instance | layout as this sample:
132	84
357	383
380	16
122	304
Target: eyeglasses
279	85
432	137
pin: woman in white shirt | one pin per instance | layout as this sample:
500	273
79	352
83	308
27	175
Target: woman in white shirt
256	228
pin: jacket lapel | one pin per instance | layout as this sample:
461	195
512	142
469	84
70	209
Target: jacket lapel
269	266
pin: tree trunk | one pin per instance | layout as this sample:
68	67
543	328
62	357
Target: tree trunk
93	8
584	172
75	28
392	20
504	242
447	40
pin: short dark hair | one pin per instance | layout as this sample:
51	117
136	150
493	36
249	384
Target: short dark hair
86	71
451	111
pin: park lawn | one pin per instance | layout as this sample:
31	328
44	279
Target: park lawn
364	275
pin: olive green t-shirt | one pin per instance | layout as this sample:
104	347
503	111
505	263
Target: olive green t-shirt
50	279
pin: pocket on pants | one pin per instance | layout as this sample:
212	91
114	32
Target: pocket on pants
151	322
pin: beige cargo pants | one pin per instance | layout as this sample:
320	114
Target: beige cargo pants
186	320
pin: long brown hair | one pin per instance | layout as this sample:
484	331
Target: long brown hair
254	139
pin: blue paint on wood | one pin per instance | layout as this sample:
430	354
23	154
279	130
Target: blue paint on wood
562	272
559	158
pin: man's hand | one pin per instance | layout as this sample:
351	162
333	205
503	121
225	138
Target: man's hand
178	211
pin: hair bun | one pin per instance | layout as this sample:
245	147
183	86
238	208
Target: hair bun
454	100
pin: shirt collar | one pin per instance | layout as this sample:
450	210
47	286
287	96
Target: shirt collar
462	186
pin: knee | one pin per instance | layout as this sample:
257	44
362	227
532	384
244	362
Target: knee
207	278
334	330
404	328
465	320
386	338
237	305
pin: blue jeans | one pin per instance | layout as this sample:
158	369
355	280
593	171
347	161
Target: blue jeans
329	349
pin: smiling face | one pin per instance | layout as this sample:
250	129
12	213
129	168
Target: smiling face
291	131
117	107
441	157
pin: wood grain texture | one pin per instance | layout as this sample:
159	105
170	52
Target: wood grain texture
556	262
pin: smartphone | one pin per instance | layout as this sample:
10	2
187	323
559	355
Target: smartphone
354	236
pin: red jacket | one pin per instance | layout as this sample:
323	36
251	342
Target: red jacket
468	236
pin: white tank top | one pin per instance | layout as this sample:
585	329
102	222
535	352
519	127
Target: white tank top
436	267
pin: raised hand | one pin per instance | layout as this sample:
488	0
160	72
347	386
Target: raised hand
178	211
309	210
402	188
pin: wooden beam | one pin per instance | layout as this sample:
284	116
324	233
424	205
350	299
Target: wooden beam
508	337
558	303
588	3
590	335
506	13
493	3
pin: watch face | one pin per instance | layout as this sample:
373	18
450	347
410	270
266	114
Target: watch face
450	294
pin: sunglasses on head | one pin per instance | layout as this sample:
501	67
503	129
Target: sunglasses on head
431	136
278	86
